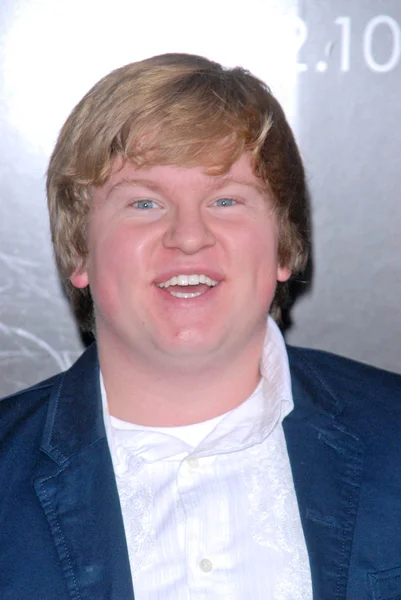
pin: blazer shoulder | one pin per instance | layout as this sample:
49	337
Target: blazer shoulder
16	406
32	391
345	380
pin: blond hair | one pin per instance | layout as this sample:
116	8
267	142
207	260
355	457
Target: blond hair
172	109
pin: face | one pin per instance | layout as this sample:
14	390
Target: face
182	264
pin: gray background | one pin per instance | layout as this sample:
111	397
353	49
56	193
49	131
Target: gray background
340	85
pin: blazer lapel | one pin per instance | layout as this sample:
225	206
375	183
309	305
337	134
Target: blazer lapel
76	485
327	465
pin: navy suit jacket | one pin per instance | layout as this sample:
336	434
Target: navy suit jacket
61	529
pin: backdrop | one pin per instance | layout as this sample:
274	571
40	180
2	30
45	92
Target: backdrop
334	65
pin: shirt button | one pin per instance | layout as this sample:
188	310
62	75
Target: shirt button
206	565
193	463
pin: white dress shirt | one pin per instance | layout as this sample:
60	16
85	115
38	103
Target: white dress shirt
210	509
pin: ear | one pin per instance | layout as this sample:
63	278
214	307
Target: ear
79	278
283	273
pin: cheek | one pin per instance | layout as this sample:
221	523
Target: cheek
261	250
115	267
259	259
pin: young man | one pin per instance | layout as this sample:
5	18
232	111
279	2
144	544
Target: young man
189	453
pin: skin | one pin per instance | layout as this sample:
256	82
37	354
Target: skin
169	361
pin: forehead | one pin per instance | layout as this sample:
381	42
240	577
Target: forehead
161	177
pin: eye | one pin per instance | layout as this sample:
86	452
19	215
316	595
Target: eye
144	204
225	202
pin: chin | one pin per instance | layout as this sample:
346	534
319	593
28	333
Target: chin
189	343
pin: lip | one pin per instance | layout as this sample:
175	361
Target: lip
193	270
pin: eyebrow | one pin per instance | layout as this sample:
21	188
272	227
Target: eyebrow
227	179
152	185
217	182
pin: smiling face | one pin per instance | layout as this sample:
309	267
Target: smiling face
182	264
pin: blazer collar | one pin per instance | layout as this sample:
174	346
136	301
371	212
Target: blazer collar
327	460
77	488
74	418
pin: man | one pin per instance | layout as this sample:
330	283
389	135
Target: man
188	453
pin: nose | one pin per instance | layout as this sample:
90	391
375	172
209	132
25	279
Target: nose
188	231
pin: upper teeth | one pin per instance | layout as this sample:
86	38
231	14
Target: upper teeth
188	280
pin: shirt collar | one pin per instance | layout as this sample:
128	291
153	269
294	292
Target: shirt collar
248	424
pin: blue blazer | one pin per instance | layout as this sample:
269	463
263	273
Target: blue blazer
61	529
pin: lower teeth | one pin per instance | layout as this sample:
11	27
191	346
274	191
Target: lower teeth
185	294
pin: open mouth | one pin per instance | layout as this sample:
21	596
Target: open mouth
188	286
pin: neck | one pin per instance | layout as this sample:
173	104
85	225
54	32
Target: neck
155	395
